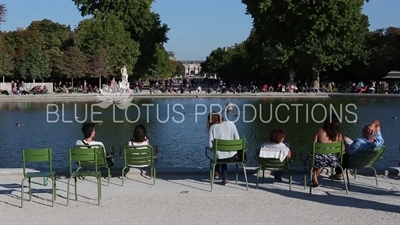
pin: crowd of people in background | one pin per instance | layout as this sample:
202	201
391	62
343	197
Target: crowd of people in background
205	85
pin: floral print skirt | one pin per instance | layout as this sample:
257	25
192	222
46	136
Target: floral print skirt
322	161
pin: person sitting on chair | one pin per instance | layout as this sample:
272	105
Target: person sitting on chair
224	130
329	133
140	138
89	132
276	149
371	139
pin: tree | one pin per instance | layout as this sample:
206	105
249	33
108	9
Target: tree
93	35
6	61
56	38
34	64
316	34
218	61
74	63
179	68
162	67
3	13
100	65
143	25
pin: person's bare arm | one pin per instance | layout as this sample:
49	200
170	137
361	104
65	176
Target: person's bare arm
289	155
316	136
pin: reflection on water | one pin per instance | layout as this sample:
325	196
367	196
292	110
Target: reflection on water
178	125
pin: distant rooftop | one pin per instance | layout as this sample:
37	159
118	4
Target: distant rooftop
20	28
172	56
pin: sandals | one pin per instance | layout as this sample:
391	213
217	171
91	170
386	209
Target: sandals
216	176
224	182
314	185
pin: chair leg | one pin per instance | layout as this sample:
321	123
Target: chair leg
22	192
30	189
99	176
355	174
245	176
76	189
68	191
153	174
305	181
345	183
53	197
212	176
376	176
348	179
290	180
98	189
237	173
258	175
123	175
109	176
263	171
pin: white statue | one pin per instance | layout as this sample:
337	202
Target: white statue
124	73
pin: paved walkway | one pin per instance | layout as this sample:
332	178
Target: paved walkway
186	199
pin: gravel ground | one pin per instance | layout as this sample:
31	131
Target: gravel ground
186	199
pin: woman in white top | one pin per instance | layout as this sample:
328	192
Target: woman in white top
224	130
139	137
275	148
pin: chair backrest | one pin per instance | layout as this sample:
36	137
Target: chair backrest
37	155
138	155
229	146
366	158
88	155
101	157
272	163
328	148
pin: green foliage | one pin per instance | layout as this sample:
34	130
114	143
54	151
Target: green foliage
319	34
94	35
34	63
73	64
179	68
162	67
143	25
6	62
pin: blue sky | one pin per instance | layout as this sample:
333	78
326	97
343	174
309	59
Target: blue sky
197	26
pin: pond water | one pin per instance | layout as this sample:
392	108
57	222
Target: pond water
177	125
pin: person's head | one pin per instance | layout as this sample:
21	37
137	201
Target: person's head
366	134
277	136
332	127
140	133
88	130
213	118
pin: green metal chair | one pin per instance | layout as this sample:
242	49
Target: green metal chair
275	164
38	156
139	156
101	161
365	159
92	155
227	146
324	149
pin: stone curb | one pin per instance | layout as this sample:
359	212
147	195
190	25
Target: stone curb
93	98
386	171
